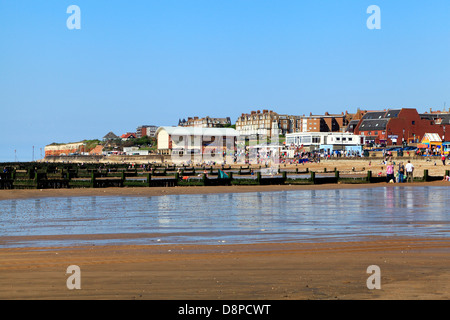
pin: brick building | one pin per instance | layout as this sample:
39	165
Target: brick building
393	126
148	131
258	123
325	123
267	123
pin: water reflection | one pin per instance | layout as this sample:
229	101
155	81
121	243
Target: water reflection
240	217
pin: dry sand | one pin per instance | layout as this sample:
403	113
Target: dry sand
410	268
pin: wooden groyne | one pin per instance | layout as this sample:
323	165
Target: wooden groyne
60	176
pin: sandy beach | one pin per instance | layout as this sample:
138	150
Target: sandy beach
411	268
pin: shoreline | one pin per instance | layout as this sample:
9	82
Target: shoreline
411	268
160	191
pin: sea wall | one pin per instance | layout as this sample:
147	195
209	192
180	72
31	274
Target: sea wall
105	159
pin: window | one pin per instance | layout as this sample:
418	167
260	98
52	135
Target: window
413	122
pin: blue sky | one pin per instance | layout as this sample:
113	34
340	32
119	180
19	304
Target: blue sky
153	62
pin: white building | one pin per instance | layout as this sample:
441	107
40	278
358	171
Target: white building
328	141
134	151
193	140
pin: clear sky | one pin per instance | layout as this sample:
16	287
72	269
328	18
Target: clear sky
141	62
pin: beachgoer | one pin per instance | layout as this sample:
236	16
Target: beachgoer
390	172
443	159
409	172
401	172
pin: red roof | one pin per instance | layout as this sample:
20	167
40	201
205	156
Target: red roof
128	135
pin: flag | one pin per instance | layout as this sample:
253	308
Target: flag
222	175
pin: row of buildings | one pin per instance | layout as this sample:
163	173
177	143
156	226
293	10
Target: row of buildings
265	122
388	126
331	132
362	128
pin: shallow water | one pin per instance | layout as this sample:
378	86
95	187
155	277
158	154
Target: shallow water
283	216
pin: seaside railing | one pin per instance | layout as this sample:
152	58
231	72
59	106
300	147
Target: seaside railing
51	176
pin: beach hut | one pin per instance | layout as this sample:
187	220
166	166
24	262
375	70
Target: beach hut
430	141
446	147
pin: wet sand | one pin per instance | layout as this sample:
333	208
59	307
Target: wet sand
410	269
160	191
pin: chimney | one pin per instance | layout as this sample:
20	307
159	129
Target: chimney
326	113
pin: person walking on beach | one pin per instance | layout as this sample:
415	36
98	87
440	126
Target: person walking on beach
401	172
443	159
409	172
390	172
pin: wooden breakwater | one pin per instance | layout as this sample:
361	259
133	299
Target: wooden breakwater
57	176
